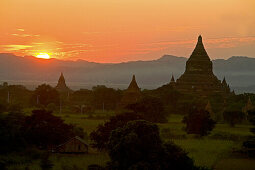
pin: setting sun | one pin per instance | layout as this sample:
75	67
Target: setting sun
43	55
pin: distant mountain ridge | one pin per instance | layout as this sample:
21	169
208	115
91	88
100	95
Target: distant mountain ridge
238	70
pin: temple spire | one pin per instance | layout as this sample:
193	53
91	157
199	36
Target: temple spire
133	85
172	79
199	39
199	51
131	95
61	78
224	81
172	82
61	86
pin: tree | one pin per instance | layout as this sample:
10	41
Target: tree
45	163
44	95
198	121
137	145
251	117
169	97
11	132
15	94
101	135
233	117
104	97
3	106
15	108
150	108
45	130
249	145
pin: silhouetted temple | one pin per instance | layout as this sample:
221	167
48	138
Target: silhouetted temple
198	77
61	86
132	94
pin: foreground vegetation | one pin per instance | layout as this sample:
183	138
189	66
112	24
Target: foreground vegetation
215	150
207	151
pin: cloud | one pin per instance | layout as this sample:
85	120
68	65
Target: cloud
15	47
26	35
21	29
229	42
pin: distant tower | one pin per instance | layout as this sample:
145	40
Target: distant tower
248	107
225	86
132	94
172	82
61	86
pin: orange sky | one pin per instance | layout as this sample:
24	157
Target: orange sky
124	30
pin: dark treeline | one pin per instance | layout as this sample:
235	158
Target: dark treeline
100	97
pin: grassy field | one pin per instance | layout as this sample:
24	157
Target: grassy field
210	151
207	151
81	121
69	162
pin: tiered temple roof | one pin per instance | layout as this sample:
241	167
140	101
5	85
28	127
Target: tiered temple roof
198	76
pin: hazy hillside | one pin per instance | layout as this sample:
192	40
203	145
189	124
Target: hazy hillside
239	71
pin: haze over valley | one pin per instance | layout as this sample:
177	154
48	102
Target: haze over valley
239	72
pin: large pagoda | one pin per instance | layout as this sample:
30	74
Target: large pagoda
198	77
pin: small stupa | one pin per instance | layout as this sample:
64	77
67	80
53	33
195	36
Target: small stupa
172	82
132	94
248	107
61	86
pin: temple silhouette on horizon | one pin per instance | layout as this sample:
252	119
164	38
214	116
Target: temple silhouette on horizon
61	86
132	94
198	77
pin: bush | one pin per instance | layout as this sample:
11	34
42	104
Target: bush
249	145
44	95
137	145
51	107
198	121
233	117
44	129
11	132
101	135
46	164
150	108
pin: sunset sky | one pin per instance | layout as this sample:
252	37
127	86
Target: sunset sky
124	30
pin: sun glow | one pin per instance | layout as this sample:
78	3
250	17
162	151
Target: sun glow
43	55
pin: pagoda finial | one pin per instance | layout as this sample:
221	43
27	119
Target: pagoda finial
199	38
172	79
224	82
61	78
133	78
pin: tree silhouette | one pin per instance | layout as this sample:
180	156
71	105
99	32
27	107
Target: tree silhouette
44	95
137	145
198	121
